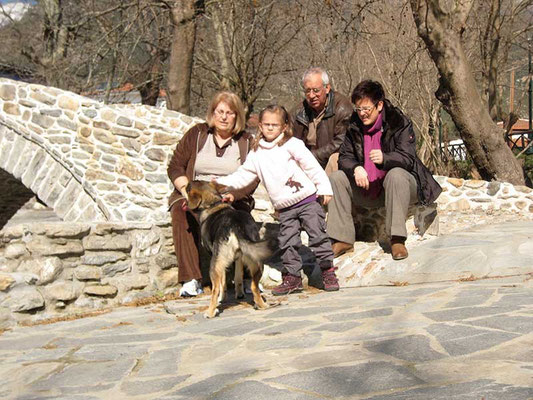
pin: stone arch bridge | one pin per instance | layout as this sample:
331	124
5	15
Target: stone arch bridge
88	161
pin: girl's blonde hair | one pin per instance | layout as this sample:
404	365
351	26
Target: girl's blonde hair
234	103
285	119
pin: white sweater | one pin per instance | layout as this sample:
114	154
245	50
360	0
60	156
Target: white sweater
289	172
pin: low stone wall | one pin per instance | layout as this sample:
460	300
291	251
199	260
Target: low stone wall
46	268
457	195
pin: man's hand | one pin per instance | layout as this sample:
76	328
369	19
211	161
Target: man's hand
361	178
376	156
326	198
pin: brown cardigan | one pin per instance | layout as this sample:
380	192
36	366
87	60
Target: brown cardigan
184	159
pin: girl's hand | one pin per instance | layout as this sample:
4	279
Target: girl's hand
228	198
326	199
376	156
361	178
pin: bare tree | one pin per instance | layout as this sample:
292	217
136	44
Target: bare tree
441	28
184	13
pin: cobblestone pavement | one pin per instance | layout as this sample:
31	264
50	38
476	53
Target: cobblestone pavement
441	340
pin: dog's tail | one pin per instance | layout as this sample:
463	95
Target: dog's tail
259	251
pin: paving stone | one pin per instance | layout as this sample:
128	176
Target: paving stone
302	312
107	352
102	372
380	312
507	323
459	314
304	341
415	348
476	390
160	362
213	384
136	388
337	326
462	340
260	391
351	380
274	329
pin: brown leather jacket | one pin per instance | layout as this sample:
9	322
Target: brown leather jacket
331	130
184	158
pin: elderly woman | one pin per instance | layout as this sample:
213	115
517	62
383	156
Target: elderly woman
207	151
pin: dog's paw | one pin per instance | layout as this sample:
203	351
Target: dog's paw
239	296
263	306
213	314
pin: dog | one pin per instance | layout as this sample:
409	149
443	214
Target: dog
230	235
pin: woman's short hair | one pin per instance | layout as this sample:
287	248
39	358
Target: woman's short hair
370	89
234	103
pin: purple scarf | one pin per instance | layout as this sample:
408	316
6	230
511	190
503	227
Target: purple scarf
372	141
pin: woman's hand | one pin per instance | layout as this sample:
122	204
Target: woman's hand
361	178
228	198
180	183
376	156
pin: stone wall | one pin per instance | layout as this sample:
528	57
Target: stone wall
457	195
50	268
86	160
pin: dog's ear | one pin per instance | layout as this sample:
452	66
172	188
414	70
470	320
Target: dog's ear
221	189
194	197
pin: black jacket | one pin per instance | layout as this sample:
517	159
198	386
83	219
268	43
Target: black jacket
398	144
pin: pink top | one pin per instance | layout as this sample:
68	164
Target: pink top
372	141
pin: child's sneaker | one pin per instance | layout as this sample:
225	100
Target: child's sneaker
290	284
331	283
191	288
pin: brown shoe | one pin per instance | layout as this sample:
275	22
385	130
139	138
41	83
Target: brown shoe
398	249
339	248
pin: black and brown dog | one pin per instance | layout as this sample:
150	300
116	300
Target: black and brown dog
231	236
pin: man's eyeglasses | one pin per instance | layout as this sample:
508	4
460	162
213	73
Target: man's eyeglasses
220	113
308	91
365	109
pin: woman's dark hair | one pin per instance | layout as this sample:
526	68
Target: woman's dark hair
368	88
285	118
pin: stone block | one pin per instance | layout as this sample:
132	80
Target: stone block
157	178
104	136
124	121
24	299
46	247
164	139
64	291
8	92
12	109
139	190
27	103
167	278
165	261
130	133
127	168
51	112
493	188
108	115
156	154
15	250
6	282
475	184
88	273
100	290
14	156
102	257
523	189
68	198
455	182
111	270
131	144
68	103
135	282
107	242
97	175
50	269
67	124
42	120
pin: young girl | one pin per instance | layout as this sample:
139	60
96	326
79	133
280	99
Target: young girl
294	180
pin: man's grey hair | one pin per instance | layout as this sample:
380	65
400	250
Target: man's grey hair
313	71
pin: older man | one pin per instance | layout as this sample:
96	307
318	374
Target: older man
323	117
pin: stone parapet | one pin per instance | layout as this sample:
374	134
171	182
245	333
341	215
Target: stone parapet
87	160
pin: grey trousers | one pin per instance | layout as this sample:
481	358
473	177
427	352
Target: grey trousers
311	218
399	192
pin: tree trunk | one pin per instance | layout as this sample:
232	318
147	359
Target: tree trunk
181	56
441	31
